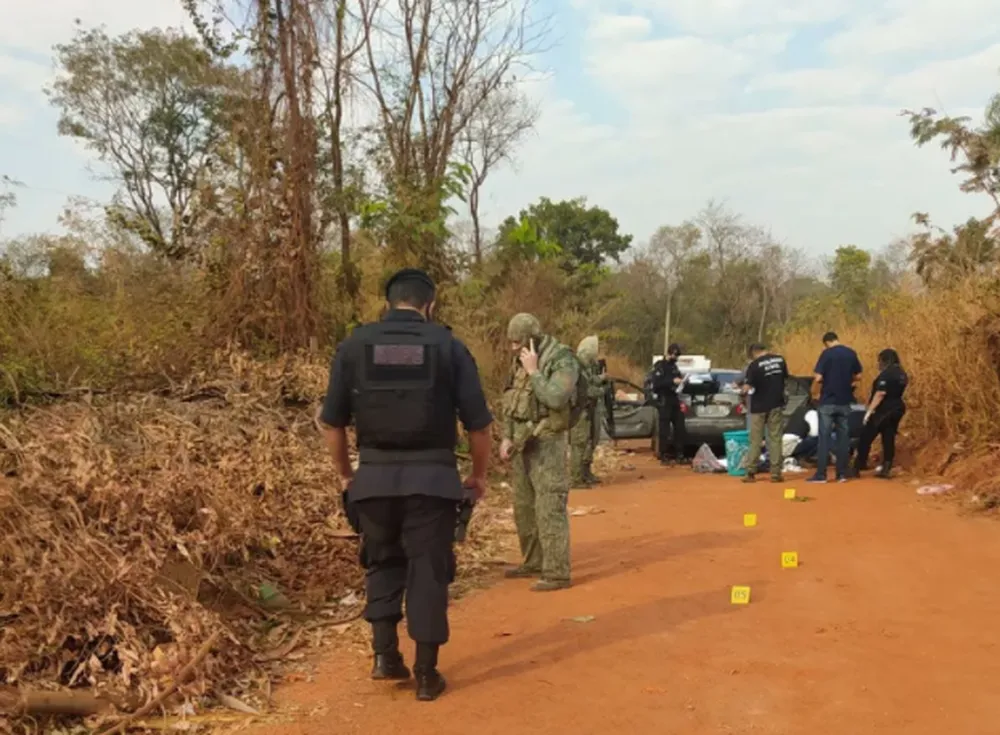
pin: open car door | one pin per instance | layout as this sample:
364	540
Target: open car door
634	416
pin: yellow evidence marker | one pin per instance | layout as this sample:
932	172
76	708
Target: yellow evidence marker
790	493
740	596
789	559
749	520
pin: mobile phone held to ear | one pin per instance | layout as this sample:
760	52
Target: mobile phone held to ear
531	342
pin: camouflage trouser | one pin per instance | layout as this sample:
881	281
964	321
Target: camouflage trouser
541	488
581	449
774	424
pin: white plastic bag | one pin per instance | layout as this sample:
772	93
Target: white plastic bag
705	461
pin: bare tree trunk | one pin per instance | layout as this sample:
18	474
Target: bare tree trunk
763	318
446	62
350	282
666	322
294	286
477	235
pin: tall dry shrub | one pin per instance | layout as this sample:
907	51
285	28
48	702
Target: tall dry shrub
479	309
948	342
74	316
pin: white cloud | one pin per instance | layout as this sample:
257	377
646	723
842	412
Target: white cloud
820	85
921	27
686	100
21	74
709	108
652	77
38	26
739	17
770	42
965	80
10	115
617	28
657	63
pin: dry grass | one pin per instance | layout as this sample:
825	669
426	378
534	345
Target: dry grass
187	493
133	527
948	342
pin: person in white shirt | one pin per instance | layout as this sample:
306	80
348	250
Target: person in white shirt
809	442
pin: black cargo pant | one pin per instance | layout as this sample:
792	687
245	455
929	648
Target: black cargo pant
407	550
671	422
885	424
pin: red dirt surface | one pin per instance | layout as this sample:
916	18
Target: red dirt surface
887	626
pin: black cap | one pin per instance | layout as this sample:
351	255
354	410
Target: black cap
409	274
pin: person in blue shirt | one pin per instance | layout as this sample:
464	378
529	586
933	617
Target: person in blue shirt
837	372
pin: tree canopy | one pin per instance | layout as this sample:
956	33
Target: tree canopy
582	235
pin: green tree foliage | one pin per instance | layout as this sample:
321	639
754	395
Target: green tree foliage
8	194
154	106
851	277
975	150
714	284
943	258
585	236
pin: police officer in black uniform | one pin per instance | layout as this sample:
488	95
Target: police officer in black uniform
886	409
403	381
665	380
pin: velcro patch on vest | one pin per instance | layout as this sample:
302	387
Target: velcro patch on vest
412	355
395	366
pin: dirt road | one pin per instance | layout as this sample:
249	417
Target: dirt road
887	626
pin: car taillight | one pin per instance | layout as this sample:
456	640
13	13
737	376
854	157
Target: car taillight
740	409
685	409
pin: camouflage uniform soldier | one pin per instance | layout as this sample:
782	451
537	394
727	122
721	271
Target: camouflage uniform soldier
584	435
536	416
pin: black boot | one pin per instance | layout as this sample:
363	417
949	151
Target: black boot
389	665
430	683
886	472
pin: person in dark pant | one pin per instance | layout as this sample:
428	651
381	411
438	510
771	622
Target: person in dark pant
665	379
837	371
886	409
765	382
403	380
805	425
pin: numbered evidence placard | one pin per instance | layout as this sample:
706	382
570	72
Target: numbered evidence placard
740	595
789	559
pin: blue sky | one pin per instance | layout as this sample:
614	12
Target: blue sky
786	111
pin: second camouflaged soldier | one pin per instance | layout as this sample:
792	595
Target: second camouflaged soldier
537	407
585	434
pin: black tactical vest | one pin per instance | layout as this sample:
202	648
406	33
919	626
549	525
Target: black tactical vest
403	396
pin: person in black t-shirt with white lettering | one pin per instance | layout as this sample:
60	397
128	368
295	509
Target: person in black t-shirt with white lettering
765	383
886	409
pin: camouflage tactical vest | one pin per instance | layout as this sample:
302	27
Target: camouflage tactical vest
519	400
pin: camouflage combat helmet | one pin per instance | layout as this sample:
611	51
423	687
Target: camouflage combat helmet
588	349
523	327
